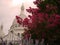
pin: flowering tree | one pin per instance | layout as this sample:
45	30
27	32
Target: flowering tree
45	20
19	19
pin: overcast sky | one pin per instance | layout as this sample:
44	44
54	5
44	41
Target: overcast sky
9	9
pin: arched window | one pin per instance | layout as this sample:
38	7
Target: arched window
18	34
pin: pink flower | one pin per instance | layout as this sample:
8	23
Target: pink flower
51	19
50	26
29	16
46	16
41	17
19	20
57	17
17	17
57	20
25	22
47	6
35	11
29	10
34	18
37	1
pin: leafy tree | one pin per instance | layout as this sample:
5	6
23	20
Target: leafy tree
45	20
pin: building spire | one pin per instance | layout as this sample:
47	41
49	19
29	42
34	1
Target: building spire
22	7
22	13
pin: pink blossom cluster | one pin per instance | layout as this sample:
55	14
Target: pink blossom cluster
33	10
41	21
19	20
51	22
37	2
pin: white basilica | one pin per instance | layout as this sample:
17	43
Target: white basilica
16	30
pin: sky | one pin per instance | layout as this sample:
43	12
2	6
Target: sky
9	9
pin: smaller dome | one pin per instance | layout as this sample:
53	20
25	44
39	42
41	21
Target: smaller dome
1	31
